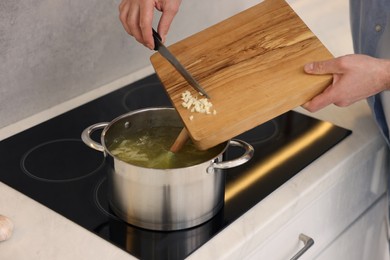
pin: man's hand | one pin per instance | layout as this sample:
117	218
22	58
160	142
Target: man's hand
355	77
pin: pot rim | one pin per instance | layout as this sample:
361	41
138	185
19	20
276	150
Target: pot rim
115	120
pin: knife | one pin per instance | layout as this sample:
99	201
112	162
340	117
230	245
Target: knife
159	46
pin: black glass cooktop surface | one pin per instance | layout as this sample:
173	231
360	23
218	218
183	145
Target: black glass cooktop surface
50	164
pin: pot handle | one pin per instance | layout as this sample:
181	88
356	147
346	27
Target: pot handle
238	161
86	136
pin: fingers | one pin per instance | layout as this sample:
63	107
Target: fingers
144	30
318	102
325	98
333	94
163	26
136	18
123	14
168	13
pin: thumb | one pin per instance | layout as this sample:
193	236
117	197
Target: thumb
321	67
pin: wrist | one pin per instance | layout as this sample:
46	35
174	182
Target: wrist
386	74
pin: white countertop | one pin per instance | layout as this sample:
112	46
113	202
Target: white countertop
41	233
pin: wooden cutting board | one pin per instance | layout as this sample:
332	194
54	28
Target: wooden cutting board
251	65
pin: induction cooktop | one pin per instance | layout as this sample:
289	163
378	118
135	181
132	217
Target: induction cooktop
50	164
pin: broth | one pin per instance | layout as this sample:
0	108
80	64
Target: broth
150	148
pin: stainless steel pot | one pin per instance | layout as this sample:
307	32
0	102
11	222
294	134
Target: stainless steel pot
162	199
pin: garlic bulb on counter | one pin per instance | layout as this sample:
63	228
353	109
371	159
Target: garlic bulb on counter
6	228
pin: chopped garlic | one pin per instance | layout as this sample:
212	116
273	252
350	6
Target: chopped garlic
194	104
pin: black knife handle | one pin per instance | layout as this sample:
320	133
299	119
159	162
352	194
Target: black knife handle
157	39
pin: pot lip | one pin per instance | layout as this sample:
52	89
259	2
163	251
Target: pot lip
167	170
141	110
112	122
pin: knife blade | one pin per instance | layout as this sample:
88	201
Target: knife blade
160	47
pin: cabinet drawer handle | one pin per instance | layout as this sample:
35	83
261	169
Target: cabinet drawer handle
307	243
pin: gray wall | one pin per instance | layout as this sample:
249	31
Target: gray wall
54	50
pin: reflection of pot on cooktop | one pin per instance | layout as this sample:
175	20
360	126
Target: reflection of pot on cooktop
147	244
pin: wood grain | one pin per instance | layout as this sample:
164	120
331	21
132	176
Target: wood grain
252	67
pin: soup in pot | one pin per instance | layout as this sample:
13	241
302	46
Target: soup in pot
150	148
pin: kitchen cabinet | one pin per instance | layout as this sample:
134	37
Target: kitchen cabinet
364	239
332	212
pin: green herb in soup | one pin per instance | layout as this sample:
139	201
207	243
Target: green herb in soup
150	148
